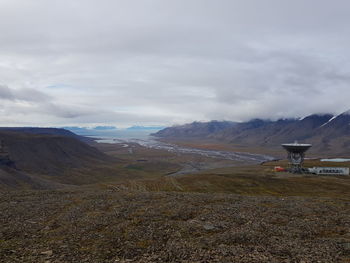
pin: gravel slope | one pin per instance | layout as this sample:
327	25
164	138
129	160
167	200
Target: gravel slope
101	225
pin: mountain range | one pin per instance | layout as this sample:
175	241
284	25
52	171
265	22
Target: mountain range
329	134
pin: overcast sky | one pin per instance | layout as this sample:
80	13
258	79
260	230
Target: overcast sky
164	62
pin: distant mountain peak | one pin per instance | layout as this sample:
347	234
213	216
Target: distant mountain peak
103	128
317	115
137	127
346	112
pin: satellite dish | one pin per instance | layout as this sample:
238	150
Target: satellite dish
296	153
296	147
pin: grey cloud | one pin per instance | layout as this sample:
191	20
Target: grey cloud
64	111
26	94
172	61
32	95
6	93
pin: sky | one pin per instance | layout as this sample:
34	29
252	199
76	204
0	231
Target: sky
157	62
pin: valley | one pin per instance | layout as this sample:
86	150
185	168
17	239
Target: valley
180	131
165	201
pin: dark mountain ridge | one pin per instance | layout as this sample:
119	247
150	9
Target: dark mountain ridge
36	156
195	129
37	130
48	131
329	134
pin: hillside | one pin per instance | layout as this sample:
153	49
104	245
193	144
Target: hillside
15	179
195	129
106	225
47	131
42	156
329	134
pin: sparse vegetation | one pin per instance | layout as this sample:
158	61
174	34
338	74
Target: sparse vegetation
134	210
111	225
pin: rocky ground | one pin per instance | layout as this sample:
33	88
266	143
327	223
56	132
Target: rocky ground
106	225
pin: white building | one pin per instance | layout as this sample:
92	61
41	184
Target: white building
329	170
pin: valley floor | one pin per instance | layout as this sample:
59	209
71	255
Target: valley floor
108	225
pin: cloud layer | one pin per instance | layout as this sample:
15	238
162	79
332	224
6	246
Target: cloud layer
89	62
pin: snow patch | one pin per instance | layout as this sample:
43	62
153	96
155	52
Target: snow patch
334	117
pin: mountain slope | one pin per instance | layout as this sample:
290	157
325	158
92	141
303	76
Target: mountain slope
49	154
195	129
329	134
274	133
46	131
38	157
334	135
11	178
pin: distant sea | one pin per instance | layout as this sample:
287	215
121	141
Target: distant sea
109	136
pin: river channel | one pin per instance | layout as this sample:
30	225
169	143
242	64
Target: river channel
152	143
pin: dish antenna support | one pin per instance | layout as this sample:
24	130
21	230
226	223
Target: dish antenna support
296	155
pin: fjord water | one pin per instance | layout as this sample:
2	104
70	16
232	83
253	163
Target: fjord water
114	136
